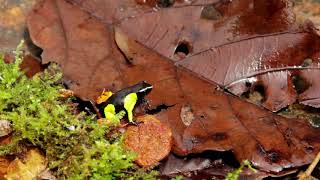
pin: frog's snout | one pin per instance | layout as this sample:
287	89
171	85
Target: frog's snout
146	89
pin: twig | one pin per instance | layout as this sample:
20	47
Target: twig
311	167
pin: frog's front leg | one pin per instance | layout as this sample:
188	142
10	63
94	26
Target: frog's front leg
129	103
110	114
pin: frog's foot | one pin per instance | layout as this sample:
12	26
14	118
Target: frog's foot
135	123
145	102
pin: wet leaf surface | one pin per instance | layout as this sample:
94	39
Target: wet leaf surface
189	52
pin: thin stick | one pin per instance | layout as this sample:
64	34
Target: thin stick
310	168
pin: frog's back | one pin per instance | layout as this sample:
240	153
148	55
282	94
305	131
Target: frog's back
117	99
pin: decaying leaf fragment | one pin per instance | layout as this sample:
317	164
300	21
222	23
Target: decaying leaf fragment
4	163
28	168
150	139
5	128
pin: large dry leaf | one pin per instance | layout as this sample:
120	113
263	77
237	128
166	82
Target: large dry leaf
69	36
216	33
203	24
221	122
230	44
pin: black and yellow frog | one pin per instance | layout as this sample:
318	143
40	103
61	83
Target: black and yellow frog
124	100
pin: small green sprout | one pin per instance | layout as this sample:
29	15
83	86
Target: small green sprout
177	178
235	174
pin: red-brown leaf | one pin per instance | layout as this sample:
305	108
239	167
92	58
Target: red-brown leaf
222	122
216	34
230	43
79	43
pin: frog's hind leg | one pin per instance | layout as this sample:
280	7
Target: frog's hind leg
129	102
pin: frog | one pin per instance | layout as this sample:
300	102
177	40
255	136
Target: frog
125	100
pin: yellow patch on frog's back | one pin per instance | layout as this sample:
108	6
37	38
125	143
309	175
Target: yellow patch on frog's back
104	97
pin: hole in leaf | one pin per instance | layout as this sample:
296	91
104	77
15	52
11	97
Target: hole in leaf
183	49
211	13
300	84
259	89
307	62
315	121
256	95
156	3
309	149
165	3
248	84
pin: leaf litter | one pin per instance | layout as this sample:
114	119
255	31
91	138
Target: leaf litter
191	52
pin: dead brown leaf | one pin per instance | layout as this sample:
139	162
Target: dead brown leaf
29	65
232	42
222	122
74	37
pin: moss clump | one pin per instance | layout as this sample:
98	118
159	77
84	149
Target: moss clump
74	144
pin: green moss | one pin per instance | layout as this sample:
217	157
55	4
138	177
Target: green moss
177	178
74	144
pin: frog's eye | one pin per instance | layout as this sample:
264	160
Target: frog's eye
104	97
110	111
